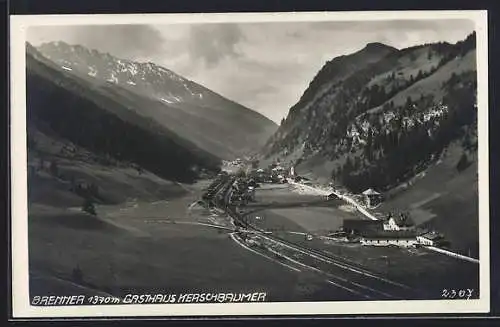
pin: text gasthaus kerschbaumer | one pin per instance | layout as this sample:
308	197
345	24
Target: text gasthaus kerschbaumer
159	298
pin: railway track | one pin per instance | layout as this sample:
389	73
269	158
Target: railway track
345	274
254	208
359	282
366	282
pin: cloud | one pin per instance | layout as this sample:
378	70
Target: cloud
278	60
212	43
138	40
393	25
264	66
131	41
399	33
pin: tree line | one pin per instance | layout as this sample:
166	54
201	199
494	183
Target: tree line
392	155
86	124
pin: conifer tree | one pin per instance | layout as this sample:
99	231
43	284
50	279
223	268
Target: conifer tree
88	206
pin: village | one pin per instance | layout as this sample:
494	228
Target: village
388	229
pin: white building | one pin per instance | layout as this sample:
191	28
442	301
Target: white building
429	238
402	239
401	222
406	242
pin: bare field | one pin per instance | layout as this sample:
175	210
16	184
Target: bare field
276	193
158	257
285	209
149	242
115	184
316	219
301	219
267	220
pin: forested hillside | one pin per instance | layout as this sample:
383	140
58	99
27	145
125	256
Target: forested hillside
385	121
69	108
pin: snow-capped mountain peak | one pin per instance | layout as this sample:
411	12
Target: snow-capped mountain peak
148	78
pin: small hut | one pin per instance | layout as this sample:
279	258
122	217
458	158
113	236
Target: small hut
372	197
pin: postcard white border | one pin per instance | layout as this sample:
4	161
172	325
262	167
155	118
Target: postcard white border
20	276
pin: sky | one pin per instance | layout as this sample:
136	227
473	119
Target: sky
263	66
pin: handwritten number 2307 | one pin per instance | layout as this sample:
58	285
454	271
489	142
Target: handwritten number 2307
457	294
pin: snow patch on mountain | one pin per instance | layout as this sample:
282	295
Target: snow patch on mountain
166	100
92	72
153	78
132	68
171	99
113	78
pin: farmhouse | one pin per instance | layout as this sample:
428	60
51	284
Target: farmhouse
372	198
386	238
399	222
372	232
430	238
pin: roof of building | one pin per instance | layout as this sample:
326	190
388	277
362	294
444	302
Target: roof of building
432	236
371	191
389	235
402	220
362	225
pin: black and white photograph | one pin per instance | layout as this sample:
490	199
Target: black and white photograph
249	164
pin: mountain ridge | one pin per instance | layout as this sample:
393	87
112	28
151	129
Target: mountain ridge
169	95
328	124
339	68
86	115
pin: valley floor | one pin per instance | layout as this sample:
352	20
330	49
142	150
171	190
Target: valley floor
144	246
147	234
164	241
